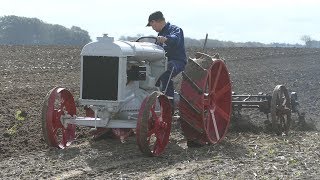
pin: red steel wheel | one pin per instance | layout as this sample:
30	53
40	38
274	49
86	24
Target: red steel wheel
217	102
154	124
280	110
58	102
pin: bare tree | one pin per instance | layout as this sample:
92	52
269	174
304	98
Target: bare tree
307	40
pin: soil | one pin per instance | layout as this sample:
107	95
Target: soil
249	150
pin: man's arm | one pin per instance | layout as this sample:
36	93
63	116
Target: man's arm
173	39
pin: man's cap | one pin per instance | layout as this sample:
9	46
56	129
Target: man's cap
155	16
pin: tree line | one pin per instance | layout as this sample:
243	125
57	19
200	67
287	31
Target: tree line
32	31
214	43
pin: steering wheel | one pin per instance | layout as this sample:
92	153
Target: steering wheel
147	37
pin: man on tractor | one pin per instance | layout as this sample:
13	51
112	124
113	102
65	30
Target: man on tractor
171	38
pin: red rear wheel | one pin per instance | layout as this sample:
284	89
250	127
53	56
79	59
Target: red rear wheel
205	103
154	124
217	102
57	103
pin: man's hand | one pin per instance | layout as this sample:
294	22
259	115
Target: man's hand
161	39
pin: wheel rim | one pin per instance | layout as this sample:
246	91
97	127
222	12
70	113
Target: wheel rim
217	102
154	124
280	110
57	103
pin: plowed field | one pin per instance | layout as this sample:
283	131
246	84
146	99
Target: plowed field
249	150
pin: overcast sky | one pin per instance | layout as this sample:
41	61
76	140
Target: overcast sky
265	21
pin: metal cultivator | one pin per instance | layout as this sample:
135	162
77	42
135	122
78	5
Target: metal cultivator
280	105
118	93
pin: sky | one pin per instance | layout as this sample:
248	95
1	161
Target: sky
266	21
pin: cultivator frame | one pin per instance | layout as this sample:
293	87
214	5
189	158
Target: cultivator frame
280	105
205	103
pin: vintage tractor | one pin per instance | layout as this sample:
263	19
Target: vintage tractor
118	93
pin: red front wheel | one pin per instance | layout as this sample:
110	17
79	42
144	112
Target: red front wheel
57	103
154	124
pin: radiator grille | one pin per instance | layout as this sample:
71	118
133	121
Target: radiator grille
100	78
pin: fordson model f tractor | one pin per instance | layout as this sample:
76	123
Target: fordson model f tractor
118	93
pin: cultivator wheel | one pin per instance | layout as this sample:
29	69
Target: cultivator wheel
280	110
57	103
154	124
205	100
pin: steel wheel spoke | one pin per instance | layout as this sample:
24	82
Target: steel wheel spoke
56	121
206	101
153	107
155	116
214	122
220	111
284	102
222	91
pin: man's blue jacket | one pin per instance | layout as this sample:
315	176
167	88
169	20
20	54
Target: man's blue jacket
174	46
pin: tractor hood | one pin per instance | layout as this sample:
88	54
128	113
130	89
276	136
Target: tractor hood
106	46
